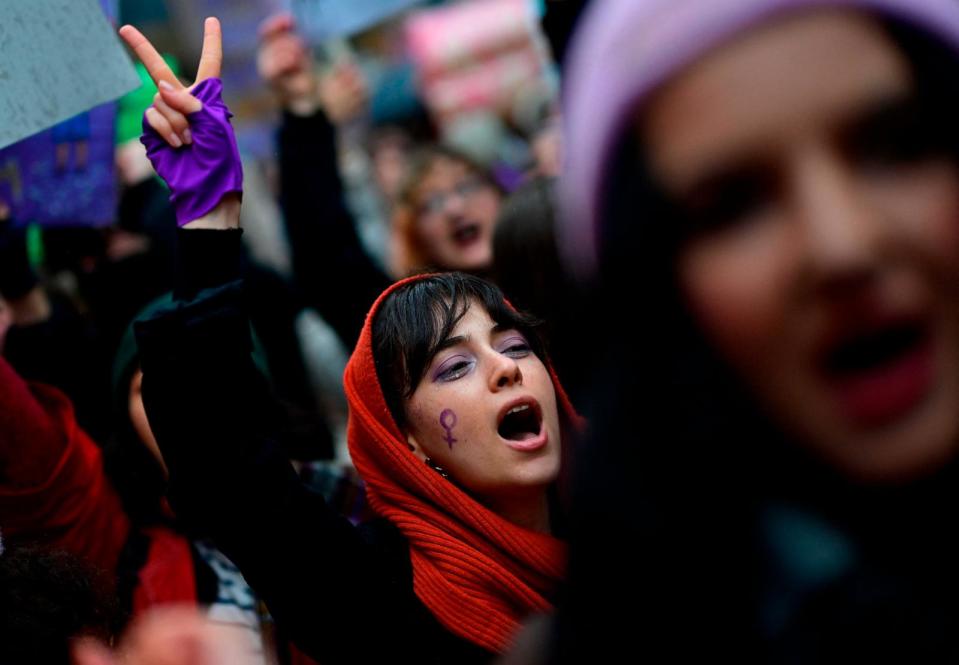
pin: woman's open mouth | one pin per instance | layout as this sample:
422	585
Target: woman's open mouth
520	424
880	373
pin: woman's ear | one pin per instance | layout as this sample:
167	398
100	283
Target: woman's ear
415	447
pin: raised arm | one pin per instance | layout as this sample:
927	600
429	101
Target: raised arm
331	266
210	411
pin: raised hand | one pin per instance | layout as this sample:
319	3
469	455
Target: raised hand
171	636
174	102
188	135
343	92
286	64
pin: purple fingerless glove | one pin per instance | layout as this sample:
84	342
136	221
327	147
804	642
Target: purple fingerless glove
200	174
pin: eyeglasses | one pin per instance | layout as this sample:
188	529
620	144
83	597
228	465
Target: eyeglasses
436	202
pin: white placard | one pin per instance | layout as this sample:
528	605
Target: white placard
58	58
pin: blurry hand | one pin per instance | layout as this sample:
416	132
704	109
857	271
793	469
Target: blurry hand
205	179
170	636
285	63
132	164
547	147
343	92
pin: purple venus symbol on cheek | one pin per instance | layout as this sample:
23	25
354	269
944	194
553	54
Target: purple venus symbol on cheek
448	421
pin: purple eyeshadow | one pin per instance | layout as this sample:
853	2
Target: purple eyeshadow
447	364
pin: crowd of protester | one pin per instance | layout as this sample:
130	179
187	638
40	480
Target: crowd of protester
678	378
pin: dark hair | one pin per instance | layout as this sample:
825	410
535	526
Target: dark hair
526	259
527	266
47	598
417	318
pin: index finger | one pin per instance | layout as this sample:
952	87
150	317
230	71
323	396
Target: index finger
151	59
211	57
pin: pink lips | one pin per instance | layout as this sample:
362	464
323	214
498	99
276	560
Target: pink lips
530	444
883	394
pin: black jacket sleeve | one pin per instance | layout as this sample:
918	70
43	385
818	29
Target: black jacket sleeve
330	265
327	587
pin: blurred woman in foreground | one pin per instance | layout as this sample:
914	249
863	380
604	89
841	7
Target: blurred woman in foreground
774	187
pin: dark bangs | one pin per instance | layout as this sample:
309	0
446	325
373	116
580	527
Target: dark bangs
414	321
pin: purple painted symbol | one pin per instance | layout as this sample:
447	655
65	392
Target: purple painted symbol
448	421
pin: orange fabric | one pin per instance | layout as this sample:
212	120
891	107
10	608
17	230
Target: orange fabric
479	574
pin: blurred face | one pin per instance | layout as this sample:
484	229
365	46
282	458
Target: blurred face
138	417
485	411
455	213
822	256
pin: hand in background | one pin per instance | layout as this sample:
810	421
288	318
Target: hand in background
170	636
285	63
343	92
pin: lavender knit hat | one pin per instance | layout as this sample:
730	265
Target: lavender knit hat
626	48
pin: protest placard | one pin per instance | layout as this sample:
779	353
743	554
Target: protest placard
476	55
58	58
63	175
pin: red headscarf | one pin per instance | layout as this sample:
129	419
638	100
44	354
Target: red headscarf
479	574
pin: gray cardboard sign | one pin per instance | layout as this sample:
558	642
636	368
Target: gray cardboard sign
58	58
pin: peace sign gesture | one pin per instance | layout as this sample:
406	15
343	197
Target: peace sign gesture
189	137
173	102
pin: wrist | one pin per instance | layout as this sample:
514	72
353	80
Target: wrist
303	106
300	93
226	215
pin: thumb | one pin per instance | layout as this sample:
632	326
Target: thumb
180	100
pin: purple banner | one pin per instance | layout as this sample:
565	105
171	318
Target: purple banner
64	176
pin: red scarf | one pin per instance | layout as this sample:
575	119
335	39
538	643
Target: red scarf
479	574
53	489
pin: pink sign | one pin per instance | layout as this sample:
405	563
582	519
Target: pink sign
475	54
